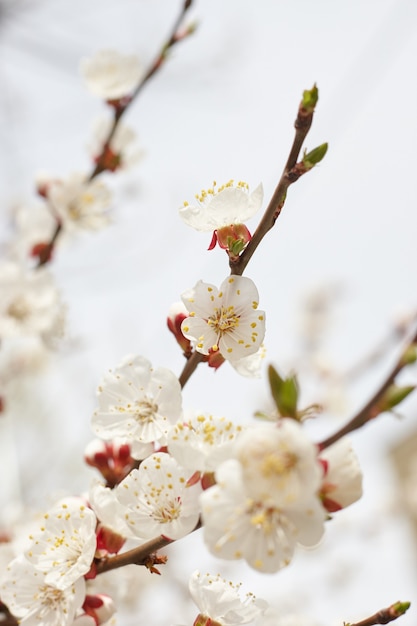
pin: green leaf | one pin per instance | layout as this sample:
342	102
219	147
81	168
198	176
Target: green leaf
310	99
315	156
393	396
284	392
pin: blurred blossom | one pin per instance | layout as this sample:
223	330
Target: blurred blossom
111	75
220	601
123	150
80	204
30	304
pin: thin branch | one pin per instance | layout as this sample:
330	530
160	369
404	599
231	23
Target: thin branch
190	367
137	556
302	125
120	110
371	408
384	616
121	107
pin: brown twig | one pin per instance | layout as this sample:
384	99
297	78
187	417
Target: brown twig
119	111
384	616
371	408
302	126
190	367
137	556
121	107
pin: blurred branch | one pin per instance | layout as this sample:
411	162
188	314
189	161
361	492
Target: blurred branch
384	616
378	403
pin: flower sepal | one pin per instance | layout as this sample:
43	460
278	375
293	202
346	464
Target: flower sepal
204	620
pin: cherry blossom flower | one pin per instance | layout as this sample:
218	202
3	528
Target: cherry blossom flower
238	526
78	203
342	480
110	74
123	150
219	601
30	303
203	442
34	600
225	319
109	511
63	548
279	462
158	499
222	206
137	403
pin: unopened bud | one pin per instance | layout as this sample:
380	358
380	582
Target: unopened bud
310	99
315	156
393	396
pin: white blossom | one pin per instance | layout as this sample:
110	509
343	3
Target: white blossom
64	547
237	526
123	144
222	206
250	366
80	204
342	481
109	511
158	499
220	600
35	601
137	403
110	74
224	319
279	463
30	303
203	442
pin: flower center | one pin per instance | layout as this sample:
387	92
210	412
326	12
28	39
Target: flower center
145	410
224	320
278	464
19	309
51	597
206	195
167	512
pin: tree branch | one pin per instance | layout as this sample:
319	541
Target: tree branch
384	616
302	125
372	408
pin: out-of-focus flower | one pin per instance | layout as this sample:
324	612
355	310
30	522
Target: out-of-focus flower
225	319
33	600
137	403
239	526
342	480
34	225
279	463
63	548
80	204
222	206
158	499
101	607
203	442
250	366
110	74
219	601
30	303
123	150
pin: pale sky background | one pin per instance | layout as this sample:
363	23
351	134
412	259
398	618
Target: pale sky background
223	107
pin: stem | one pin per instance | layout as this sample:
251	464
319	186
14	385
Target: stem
120	109
190	367
370	410
174	38
302	126
137	556
384	616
